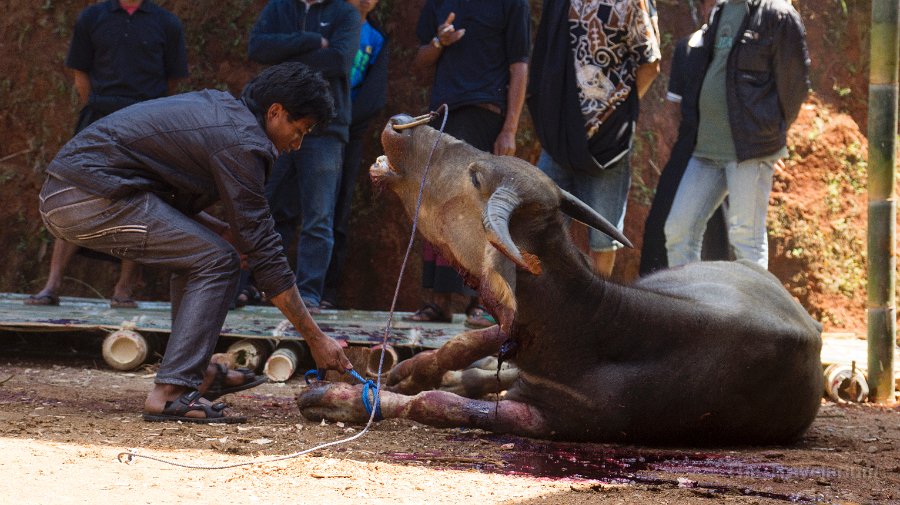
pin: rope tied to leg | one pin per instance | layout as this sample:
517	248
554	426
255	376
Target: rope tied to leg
370	391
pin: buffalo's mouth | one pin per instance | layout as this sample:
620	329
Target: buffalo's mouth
381	170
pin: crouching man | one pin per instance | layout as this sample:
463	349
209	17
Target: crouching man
135	185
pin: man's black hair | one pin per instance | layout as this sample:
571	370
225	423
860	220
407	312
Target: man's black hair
299	89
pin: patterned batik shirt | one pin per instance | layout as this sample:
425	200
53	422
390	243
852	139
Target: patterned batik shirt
610	40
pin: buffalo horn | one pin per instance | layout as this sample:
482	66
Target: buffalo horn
496	219
580	211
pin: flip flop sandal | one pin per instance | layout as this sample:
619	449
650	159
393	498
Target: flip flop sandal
122	303
188	402
480	318
218	387
45	300
429	313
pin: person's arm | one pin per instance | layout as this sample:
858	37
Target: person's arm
429	53
82	85
80	58
505	144
336	59
239	176
791	65
644	41
325	350
271	43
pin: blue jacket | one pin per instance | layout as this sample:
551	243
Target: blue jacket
287	31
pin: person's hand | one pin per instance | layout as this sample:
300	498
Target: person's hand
328	354
505	144
447	34
324	42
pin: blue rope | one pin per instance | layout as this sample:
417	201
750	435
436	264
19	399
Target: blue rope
369	388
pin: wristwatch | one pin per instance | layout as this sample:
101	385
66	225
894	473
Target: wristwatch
436	42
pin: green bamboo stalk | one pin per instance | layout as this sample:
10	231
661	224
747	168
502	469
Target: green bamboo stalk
882	263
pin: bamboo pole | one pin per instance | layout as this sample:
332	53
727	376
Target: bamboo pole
882	263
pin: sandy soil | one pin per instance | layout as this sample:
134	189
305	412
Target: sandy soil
64	421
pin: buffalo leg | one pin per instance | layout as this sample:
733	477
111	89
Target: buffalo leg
480	379
425	370
343	402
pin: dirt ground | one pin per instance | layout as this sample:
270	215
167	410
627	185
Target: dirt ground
64	421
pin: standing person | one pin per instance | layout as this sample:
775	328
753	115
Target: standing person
478	52
368	94
134	185
754	82
122	52
324	34
592	61
681	104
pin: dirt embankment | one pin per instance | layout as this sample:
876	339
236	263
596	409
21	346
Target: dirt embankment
816	215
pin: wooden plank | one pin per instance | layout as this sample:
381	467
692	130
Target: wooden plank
355	326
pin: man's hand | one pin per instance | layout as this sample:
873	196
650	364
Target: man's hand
325	350
324	42
447	34
328	354
505	145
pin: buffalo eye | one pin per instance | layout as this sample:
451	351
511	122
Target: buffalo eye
474	176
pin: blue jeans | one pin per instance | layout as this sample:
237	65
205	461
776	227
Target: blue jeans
703	187
607	194
304	185
143	228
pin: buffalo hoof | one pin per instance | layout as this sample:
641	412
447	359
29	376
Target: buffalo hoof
332	401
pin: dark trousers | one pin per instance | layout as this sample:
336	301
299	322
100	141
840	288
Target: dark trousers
653	249
143	228
349	176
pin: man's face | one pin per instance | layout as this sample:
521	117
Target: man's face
287	135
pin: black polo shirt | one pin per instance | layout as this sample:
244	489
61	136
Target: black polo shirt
130	56
476	68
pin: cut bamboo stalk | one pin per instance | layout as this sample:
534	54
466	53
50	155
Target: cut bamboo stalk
125	349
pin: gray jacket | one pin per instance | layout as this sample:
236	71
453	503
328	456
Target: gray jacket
191	150
767	77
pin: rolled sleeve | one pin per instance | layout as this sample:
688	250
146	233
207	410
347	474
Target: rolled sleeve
643	40
518	32
240	180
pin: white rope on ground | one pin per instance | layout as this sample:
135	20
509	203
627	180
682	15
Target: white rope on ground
131	455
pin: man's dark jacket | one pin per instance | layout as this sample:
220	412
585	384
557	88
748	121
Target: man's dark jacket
287	31
767	76
192	150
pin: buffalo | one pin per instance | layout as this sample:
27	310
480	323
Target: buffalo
707	353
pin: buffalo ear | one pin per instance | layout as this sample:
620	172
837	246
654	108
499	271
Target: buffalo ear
498	286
